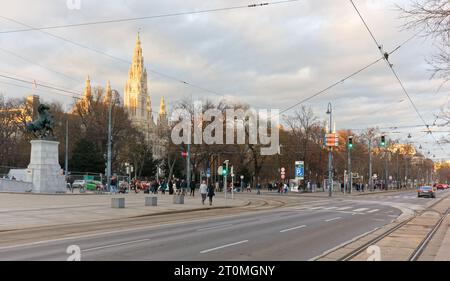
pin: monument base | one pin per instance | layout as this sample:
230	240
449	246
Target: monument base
44	170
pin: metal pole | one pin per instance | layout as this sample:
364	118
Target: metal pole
225	180
188	166
108	171
386	177
330	155
350	179
370	165
67	149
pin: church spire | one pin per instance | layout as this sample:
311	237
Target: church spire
87	89
162	107
108	92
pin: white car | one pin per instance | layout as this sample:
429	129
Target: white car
78	184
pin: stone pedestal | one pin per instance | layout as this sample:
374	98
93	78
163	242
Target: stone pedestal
178	199
44	170
118	203
151	201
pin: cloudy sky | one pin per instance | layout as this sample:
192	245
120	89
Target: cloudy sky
268	57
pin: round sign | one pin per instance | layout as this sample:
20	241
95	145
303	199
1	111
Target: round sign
242	177
283	169
283	177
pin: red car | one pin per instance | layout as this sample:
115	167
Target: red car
441	186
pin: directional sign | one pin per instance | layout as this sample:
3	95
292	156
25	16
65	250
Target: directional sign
332	140
299	170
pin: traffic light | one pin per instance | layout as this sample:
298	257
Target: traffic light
350	142
383	141
224	169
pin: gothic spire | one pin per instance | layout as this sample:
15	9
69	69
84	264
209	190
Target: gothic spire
162	107
87	88
108	92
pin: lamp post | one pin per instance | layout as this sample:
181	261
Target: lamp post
108	169
330	155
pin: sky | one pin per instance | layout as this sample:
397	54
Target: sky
270	57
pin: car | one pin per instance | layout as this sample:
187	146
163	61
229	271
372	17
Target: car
441	186
79	184
93	185
427	191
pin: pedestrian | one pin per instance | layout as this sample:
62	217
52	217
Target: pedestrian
249	188
170	187
184	187
258	189
192	189
203	191
211	195
113	185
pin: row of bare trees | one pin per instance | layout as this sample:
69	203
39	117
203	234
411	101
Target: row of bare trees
301	138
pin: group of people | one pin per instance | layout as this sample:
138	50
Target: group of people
174	187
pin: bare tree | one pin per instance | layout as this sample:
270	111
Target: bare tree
432	19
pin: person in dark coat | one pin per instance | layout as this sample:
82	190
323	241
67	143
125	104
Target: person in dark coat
211	194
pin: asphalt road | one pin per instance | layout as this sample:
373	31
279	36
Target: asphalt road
298	232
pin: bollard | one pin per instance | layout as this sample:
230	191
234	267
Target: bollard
151	201
118	203
178	199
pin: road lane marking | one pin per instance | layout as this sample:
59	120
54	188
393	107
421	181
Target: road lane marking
215	227
289	229
223	246
330	208
315	208
343	208
333	219
114	245
361	210
373	211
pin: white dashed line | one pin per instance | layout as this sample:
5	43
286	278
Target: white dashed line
294	228
361	210
373	211
223	246
343	208
333	219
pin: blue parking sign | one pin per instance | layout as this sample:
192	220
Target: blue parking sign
299	170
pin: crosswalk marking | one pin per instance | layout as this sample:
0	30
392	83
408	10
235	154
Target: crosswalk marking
361	210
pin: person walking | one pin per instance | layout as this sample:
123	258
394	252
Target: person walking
203	191
192	193
170	187
211	194
258	189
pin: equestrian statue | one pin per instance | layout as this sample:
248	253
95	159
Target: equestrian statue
42	128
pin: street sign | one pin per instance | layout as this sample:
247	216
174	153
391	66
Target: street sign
219	170
184	154
299	170
283	170
331	140
283	177
208	172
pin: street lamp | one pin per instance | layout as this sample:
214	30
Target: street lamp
330	156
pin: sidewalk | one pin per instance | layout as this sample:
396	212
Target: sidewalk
27	210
